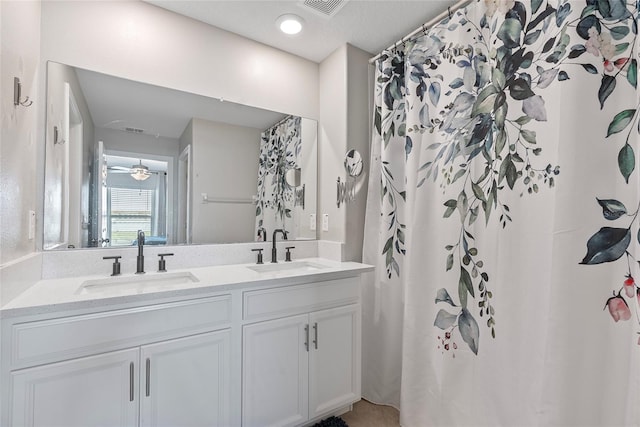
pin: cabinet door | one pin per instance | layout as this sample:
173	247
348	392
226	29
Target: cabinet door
334	359
275	373
91	391
185	382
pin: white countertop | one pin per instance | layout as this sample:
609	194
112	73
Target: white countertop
47	296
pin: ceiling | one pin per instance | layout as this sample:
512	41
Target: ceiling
371	25
121	164
117	103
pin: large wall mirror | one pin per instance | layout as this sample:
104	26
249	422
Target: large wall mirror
123	156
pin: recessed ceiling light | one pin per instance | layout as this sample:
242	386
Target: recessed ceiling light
290	23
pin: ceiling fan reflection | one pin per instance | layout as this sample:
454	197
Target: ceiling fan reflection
138	172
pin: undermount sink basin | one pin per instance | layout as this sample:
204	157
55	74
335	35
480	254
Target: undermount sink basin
138	283
300	266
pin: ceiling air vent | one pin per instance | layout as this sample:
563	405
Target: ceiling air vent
134	130
324	8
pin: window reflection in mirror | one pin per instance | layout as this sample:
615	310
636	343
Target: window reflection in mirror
135	198
183	168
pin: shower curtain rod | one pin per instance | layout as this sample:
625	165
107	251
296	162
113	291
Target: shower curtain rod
450	10
287	117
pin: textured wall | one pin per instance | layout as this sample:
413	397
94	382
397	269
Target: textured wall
20	137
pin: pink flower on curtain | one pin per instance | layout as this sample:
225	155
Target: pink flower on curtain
618	308
629	286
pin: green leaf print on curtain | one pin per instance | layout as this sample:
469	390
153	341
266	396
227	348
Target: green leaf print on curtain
280	150
482	97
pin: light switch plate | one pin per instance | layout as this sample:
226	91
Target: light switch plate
312	222
325	222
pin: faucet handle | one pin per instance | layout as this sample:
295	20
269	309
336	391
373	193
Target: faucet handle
259	255
116	264
288	254
162	263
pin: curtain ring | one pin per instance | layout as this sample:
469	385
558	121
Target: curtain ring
424	29
449	9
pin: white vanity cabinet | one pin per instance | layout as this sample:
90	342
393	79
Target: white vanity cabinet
177	374
275	373
181	382
89	391
185	382
278	349
297	367
334	359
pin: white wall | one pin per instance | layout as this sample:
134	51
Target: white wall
20	136
359	138
139	41
309	177
344	124
225	165
333	143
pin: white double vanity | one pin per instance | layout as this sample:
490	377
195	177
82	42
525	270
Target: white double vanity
227	345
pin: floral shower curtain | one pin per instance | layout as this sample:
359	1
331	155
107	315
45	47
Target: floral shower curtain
280	150
503	218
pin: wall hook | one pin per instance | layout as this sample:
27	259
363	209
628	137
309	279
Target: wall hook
17	94
56	134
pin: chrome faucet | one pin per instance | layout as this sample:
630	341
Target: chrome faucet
140	257
262	232
274	252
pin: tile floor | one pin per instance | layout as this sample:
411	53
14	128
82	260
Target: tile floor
366	414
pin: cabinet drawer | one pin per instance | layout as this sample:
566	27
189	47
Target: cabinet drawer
67	337
288	300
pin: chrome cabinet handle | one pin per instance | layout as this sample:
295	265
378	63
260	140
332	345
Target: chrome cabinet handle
148	378
315	333
131	382
306	337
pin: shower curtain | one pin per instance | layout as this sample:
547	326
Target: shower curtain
503	219
280	151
